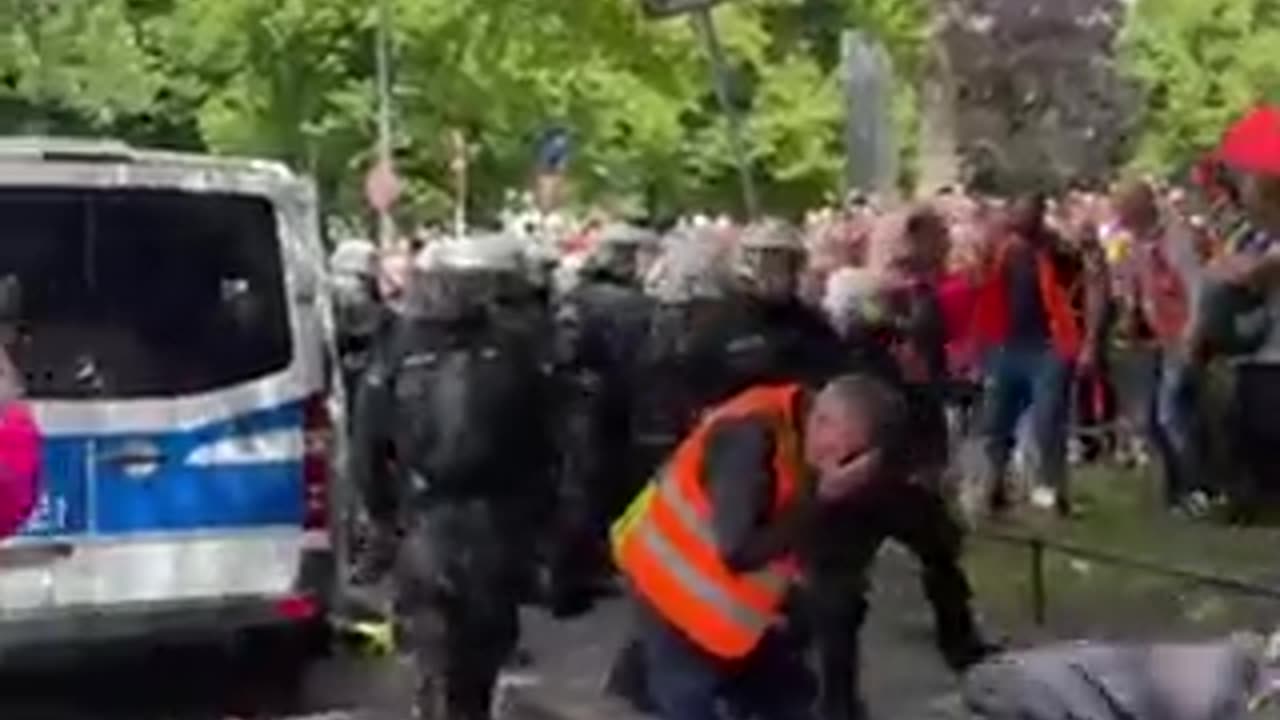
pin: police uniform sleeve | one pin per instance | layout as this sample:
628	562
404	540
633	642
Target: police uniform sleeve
822	353
738	476
371	440
926	329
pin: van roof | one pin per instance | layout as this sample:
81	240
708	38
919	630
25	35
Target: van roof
105	150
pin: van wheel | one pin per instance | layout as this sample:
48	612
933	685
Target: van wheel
275	662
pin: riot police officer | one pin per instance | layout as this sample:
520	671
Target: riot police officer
764	333
620	254
358	312
689	284
455	400
360	317
601	325
767	334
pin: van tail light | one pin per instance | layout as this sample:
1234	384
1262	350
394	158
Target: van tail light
297	608
317	434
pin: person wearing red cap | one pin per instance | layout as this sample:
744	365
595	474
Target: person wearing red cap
1252	148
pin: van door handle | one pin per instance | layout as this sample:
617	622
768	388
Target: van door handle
133	457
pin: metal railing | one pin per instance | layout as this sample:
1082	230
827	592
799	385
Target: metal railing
1037	545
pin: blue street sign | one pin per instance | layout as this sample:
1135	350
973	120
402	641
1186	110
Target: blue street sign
554	149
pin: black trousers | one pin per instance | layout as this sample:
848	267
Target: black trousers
457	600
835	605
1257	435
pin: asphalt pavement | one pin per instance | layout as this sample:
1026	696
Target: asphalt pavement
902	676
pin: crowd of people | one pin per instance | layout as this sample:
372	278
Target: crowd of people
735	417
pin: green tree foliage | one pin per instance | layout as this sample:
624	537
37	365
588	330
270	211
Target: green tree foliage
289	79
71	66
1201	63
294	79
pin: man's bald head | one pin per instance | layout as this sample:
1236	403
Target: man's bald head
849	416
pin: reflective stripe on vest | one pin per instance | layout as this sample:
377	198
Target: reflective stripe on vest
666	545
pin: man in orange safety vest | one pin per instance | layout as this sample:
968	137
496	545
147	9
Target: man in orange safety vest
707	549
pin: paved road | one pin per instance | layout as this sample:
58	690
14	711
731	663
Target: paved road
902	675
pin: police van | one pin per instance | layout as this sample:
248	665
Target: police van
174	345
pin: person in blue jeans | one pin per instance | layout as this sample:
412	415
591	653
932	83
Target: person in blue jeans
1034	340
1167	284
1177	429
775	682
1025	377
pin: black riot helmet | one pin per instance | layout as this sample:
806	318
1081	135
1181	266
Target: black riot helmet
462	277
353	278
770	257
620	249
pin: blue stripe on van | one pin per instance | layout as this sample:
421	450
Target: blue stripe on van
100	499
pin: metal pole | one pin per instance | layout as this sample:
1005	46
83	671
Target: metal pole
705	24
848	39
386	230
460	211
1039	598
460	207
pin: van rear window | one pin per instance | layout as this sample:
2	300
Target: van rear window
133	293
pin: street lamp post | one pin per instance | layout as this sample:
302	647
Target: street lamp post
700	12
706	27
386	230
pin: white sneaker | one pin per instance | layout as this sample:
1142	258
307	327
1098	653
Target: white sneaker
1044	498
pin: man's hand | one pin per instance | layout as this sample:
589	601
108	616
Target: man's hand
1235	269
1087	360
838	483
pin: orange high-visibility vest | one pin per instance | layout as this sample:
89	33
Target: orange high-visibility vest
991	314
666	546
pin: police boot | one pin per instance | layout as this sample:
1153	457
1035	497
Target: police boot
473	698
961	644
962	655
571	592
628	679
841	698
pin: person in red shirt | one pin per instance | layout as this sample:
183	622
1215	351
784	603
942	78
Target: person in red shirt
1025	319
